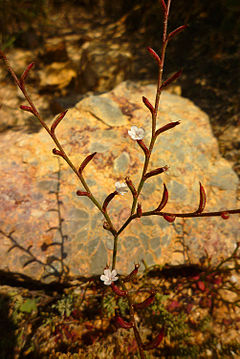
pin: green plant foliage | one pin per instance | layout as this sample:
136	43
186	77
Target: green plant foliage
109	305
65	305
28	306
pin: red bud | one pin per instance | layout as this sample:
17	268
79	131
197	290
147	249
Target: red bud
57	152
25	73
164	6
202	202
154	55
148	104
171	79
132	274
176	31
225	215
164	199
146	302
169	218
86	161
58	119
118	291
123	323
156	172
167	127
143	147
108	199
155	342
106	226
27	108
82	193
131	187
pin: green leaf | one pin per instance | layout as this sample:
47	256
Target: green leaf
28	306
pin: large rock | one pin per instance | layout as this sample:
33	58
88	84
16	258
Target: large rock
29	174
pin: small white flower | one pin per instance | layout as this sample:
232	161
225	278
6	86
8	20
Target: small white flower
121	188
136	133
233	279
109	276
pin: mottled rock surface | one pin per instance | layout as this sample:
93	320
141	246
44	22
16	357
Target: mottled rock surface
29	174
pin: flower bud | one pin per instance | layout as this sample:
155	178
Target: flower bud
171	79
27	108
86	161
225	215
154	55
106	226
82	193
202	201
143	147
164	6
167	127
132	274
131	187
123	323
155	172
58	119
148	104
176	31
169	217
118	291
155	342
146	302
25	73
107	200
164	199
57	152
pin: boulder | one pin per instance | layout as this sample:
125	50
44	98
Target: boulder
53	226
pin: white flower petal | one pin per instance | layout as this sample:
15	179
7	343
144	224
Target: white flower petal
114	272
109	276
121	188
136	133
107	272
